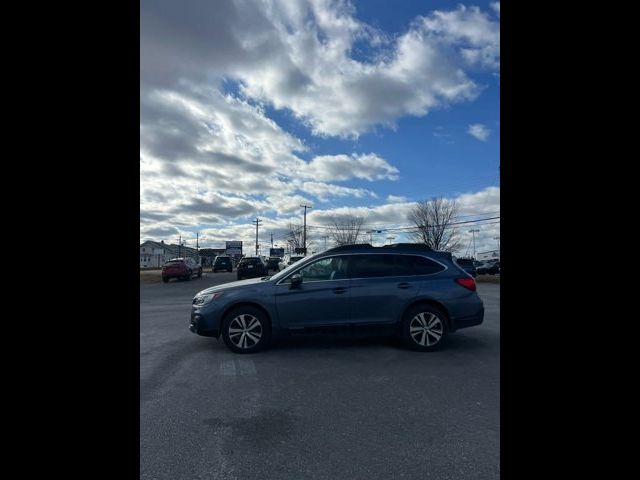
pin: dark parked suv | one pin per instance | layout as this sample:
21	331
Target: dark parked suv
468	265
404	289
250	267
222	263
184	268
272	263
489	267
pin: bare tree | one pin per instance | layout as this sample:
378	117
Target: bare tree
434	221
294	235
346	230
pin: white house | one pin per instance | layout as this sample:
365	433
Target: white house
155	254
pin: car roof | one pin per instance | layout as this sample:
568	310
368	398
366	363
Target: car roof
399	248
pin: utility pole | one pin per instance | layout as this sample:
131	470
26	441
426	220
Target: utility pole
197	244
473	232
391	238
371	232
272	240
257	222
304	236
497	238
179	245
325	242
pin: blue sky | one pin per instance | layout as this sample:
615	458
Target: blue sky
256	109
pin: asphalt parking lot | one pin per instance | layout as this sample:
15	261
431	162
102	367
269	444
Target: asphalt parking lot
318	407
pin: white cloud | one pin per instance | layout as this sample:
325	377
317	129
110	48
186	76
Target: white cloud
479	131
207	156
343	167
324	191
299	56
472	206
496	7
397	199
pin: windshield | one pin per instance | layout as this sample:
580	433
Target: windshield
285	271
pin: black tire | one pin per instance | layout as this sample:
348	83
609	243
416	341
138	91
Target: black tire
165	279
263	329
189	276
239	277
420	340
199	273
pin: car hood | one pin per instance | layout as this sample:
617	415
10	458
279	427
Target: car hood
231	285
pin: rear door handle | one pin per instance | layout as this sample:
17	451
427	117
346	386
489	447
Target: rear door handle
404	285
339	290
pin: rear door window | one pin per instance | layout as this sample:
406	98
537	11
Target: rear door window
371	266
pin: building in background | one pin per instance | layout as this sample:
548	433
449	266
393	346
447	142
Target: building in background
491	255
155	254
208	255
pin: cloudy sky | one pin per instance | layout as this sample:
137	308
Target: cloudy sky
250	108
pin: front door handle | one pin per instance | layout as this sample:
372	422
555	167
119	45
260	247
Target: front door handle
404	285
339	290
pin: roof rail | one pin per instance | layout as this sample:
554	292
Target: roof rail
412	246
354	246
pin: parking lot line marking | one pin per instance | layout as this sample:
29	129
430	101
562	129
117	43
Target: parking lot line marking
228	367
247	367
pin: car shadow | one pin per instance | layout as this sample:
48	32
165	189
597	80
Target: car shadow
454	342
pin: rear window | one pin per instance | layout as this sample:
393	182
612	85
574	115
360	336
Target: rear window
178	262
416	265
223	260
253	261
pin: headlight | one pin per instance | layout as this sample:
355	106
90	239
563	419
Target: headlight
206	298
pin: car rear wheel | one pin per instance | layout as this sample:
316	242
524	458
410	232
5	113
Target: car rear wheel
424	328
246	330
165	279
199	273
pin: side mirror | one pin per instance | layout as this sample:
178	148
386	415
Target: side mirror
296	280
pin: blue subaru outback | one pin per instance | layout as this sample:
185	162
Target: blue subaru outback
409	290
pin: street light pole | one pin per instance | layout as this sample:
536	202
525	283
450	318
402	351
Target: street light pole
473	232
498	239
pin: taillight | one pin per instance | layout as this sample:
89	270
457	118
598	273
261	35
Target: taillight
467	282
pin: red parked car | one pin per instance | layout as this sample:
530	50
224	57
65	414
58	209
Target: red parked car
184	268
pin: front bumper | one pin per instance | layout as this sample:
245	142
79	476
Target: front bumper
199	326
206	319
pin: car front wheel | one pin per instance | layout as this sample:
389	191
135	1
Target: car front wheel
424	328
246	330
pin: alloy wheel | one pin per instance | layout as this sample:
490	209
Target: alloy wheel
426	329
245	331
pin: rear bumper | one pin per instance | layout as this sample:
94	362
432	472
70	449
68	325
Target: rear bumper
469	321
